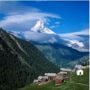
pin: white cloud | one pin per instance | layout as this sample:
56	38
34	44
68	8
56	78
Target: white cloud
17	16
75	35
80	44
55	25
23	19
84	32
52	40
26	17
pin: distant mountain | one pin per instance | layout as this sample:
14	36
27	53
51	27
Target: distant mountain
42	34
61	55
72	46
20	62
82	61
40	27
38	33
77	41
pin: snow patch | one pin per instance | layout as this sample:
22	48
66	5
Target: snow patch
80	44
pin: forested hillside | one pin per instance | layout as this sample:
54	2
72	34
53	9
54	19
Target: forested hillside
20	62
61	55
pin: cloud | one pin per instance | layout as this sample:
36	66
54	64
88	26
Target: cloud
75	35
26	20
55	25
82	32
26	17
20	17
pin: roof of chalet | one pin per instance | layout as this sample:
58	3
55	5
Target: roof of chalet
66	69
50	74
42	77
62	72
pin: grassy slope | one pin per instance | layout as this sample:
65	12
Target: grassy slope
75	83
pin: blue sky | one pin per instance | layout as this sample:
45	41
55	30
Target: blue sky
60	16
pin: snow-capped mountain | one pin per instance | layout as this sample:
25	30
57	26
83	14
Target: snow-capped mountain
78	45
39	33
40	27
77	40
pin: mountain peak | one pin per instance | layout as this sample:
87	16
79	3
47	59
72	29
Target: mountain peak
41	28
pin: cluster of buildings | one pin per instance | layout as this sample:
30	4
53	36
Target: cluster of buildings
60	77
44	79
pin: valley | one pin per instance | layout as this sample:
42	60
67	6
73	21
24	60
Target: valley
23	61
44	45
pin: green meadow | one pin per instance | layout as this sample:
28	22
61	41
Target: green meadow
74	83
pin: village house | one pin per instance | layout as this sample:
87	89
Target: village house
79	70
44	79
64	74
59	79
51	76
40	79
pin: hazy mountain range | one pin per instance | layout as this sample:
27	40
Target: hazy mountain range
42	34
58	48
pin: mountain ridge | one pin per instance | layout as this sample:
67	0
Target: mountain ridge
59	54
17	68
41	33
